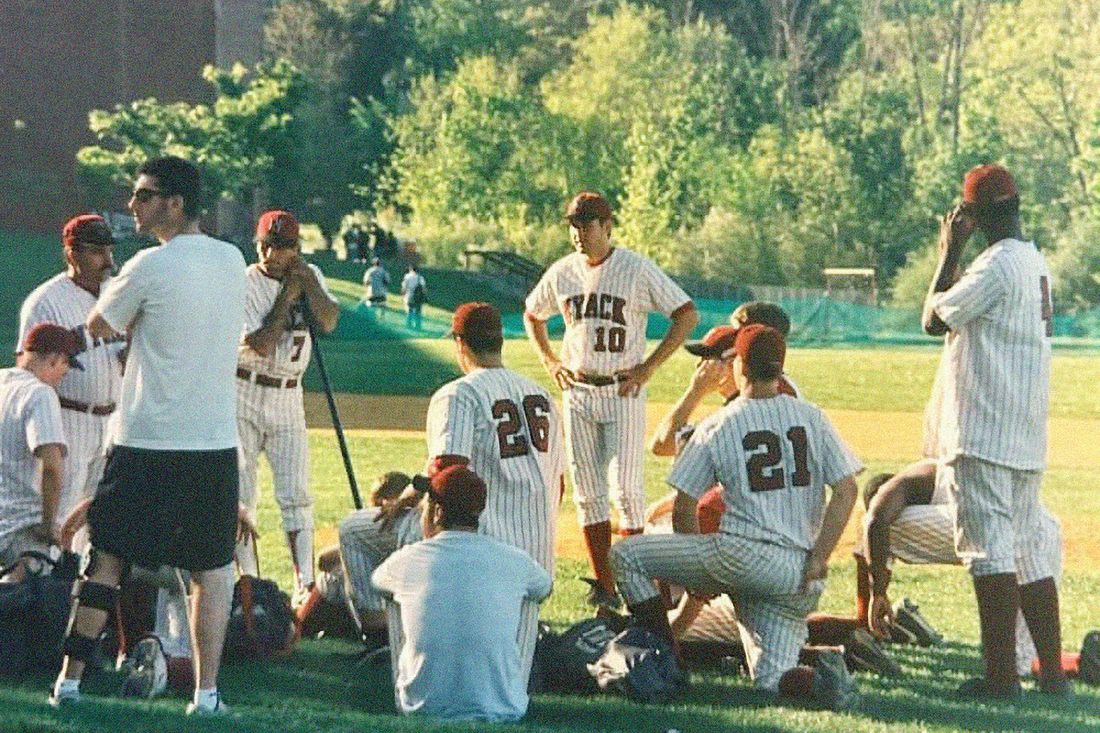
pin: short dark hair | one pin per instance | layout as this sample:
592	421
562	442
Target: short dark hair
389	486
484	343
177	177
871	488
454	516
763	372
998	212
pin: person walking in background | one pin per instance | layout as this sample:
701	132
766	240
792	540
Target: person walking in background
415	291
377	282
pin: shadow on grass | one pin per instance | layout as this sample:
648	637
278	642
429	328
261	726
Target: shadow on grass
387	367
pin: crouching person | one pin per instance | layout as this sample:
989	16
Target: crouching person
458	594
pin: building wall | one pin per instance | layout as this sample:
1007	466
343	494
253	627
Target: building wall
62	58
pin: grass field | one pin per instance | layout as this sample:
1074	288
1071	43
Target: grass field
874	397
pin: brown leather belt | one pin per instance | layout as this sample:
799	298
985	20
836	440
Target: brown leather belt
77	406
266	381
595	380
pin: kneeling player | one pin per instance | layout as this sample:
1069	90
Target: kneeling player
773	455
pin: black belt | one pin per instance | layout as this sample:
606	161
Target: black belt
265	381
596	380
77	406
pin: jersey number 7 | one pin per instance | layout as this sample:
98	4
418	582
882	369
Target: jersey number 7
765	468
510	426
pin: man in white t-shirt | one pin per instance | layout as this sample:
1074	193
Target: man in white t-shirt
377	282
414	288
169	491
992	433
459	594
32	442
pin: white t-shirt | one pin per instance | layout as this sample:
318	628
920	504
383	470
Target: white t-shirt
292	352
30	417
409	283
377	280
459	595
995	381
605	307
185	303
774	458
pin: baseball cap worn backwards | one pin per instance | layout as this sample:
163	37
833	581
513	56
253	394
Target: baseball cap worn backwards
986	185
476	321
716	342
49	338
459	489
760	346
588	206
87	229
278	228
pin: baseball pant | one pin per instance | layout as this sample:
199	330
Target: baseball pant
998	519
763	580
84	459
605	447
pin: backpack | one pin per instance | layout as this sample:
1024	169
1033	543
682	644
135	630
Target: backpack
640	665
561	661
261	620
34	614
419	295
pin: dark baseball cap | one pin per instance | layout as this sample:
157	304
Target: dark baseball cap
49	338
458	489
763	312
716	342
588	206
761	347
278	228
986	185
87	229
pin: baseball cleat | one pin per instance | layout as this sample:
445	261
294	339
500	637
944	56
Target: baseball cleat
976	688
913	625
149	674
600	597
64	698
833	688
1089	666
219	708
863	653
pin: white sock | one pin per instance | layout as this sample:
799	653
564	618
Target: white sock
207	698
65	686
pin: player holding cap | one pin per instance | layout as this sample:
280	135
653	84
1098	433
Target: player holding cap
773	454
89	395
605	294
274	353
32	442
992	438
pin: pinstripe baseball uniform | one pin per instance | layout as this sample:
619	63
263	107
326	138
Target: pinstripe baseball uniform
995	389
363	547
30	417
773	458
60	300
271	419
605	308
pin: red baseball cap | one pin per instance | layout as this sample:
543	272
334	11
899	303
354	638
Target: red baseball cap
990	184
476	321
87	229
587	206
278	228
760	346
50	338
716	342
458	488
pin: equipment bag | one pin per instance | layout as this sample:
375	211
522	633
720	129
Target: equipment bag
563	660
261	622
641	666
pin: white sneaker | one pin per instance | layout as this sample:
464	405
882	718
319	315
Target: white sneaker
149	672
218	709
63	698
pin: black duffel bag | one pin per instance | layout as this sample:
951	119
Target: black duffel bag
33	615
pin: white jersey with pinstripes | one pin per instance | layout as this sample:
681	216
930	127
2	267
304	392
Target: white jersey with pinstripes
292	352
996	384
511	432
605	307
773	458
60	300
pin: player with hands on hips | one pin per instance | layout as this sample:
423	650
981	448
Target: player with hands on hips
283	290
773	455
605	294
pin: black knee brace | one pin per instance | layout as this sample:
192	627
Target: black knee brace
89	594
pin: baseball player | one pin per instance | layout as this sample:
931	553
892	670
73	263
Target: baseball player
605	294
991	436
414	289
87	396
274	353
508	431
32	443
773	455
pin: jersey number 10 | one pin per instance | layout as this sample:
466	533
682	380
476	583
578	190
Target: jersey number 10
765	468
510	433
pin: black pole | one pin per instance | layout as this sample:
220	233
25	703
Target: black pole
332	405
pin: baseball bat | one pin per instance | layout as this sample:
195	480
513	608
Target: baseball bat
319	358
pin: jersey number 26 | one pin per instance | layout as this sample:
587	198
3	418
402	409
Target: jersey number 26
510	433
765	467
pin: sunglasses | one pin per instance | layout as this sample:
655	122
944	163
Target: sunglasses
145	195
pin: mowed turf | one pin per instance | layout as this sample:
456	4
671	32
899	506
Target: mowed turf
320	687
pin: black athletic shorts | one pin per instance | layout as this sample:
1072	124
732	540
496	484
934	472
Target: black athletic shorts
167	507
